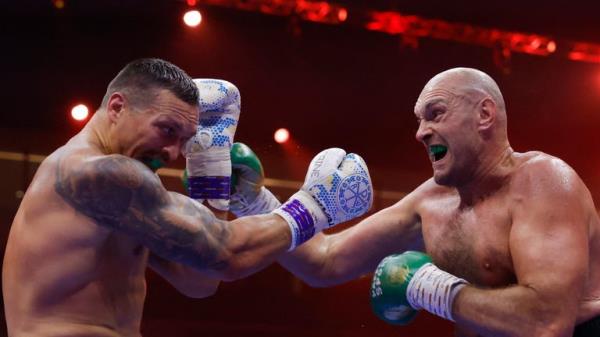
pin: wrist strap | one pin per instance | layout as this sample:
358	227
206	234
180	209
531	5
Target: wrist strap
434	290
210	187
301	217
215	161
209	174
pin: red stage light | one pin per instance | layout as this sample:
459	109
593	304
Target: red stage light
191	3
282	135
80	112
58	4
192	18
342	14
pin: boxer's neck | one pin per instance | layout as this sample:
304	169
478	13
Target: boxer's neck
492	174
97	132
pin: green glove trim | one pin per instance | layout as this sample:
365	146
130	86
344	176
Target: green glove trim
185	181
389	287
243	156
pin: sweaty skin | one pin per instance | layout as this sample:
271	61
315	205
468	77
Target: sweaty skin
94	217
520	227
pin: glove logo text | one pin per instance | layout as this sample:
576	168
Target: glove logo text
354	195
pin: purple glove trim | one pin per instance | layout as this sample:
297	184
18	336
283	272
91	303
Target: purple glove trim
306	224
211	187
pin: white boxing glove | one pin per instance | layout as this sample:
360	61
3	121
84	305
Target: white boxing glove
337	188
208	162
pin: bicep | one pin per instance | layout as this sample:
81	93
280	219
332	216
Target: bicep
182	230
120	193
549	241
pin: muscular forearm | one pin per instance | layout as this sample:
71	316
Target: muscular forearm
309	262
513	311
251	243
331	259
255	242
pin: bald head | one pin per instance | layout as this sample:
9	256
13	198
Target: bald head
462	123
469	82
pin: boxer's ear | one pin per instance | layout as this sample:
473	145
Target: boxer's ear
115	106
487	114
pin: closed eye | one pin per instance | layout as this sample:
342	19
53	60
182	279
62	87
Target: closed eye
434	114
168	131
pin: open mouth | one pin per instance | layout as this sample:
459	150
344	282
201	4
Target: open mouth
437	152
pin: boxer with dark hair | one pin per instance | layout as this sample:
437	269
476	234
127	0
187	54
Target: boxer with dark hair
96	214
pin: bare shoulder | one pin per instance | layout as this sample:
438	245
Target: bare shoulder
540	172
428	191
79	160
544	179
79	166
61	165
104	186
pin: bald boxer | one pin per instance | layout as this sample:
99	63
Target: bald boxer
96	215
513	239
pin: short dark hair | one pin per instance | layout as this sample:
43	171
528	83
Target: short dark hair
141	76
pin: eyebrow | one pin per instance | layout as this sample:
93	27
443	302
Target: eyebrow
167	119
433	102
177	125
429	104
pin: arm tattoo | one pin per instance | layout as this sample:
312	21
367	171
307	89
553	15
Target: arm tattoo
121	193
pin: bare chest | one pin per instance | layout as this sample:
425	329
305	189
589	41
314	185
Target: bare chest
74	267
472	243
124	253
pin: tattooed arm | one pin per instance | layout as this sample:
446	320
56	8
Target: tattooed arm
187	280
121	193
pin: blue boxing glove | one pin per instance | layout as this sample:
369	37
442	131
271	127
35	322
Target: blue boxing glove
208	161
337	188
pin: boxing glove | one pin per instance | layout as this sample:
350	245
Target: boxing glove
249	196
208	162
405	283
337	188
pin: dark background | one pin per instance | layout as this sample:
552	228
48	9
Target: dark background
331	85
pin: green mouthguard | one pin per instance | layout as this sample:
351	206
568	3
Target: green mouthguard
437	149
154	164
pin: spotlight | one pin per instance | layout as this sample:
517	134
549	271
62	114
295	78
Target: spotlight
58	4
342	14
80	112
551	47
192	18
282	135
